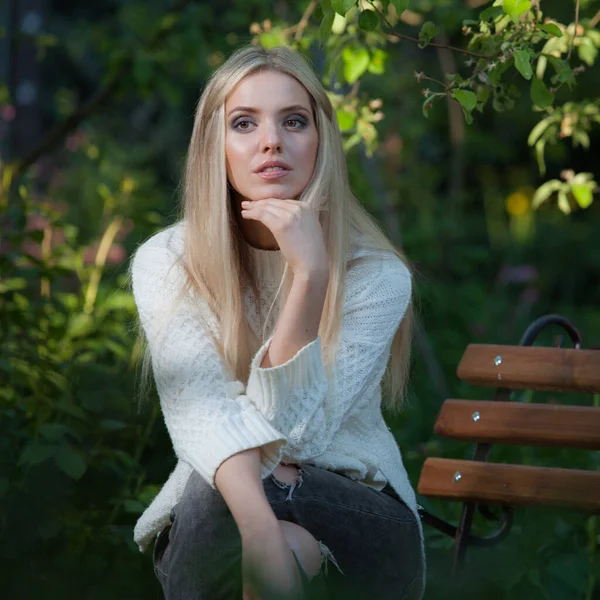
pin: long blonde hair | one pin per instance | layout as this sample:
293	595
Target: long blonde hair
213	239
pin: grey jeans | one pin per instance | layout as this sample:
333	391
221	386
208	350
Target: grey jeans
369	540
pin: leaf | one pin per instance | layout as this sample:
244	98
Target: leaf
4	486
490	13
133	506
326	23
587	51
552	29
53	432
545	191
378	60
342	6
70	462
538	130
400	6
515	8
583	194
428	31
12	284
356	61
523	63
35	453
80	325
346	120
563	202
467	99
368	20
540	94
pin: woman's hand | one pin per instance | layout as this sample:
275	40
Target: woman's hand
296	228
268	566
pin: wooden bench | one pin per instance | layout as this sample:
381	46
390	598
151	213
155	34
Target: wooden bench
481	484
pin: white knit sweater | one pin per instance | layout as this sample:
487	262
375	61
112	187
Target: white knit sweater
293	411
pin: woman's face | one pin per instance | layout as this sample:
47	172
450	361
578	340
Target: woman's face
271	140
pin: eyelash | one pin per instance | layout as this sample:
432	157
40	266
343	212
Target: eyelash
236	124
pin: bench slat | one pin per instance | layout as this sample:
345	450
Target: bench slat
512	485
527	367
520	424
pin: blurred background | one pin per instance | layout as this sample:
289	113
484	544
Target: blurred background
480	166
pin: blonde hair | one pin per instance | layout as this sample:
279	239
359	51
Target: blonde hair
213	239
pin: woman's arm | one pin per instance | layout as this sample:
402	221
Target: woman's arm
269	568
299	321
239	482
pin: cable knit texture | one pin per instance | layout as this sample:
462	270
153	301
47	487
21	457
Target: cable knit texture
295	412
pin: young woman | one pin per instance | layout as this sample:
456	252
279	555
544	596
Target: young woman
271	310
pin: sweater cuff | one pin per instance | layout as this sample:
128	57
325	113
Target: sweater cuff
268	388
236	434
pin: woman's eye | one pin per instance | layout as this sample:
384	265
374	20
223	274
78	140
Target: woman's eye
294	123
243	125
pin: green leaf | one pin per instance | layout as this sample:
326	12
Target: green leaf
70	462
356	61
368	20
545	191
346	120
326	23
467	99
133	506
587	51
4	486
490	13
552	29
378	60
540	94
12	284
53	432
80	325
583	194
35	453
515	8
538	130
400	6
342	6
563	202
428	31
523	63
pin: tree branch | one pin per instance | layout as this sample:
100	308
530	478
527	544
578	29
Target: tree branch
304	20
575	30
60	131
409	38
435	45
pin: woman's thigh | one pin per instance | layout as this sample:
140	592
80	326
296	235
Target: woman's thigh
373	536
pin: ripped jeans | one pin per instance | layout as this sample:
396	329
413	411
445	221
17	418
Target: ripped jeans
369	540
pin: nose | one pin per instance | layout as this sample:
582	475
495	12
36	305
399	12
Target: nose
271	138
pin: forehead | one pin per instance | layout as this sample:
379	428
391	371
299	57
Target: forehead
268	90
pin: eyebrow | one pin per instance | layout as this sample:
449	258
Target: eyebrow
249	109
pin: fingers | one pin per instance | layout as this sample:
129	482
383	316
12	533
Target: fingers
271	213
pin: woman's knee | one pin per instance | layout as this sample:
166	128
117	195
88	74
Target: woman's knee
304	545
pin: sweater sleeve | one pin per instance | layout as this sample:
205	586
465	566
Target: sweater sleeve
206	413
308	405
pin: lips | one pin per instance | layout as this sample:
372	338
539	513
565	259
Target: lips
272	166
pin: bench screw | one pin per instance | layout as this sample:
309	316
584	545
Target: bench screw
498	360
457	476
476	416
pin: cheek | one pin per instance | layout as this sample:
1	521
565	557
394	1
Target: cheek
234	155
